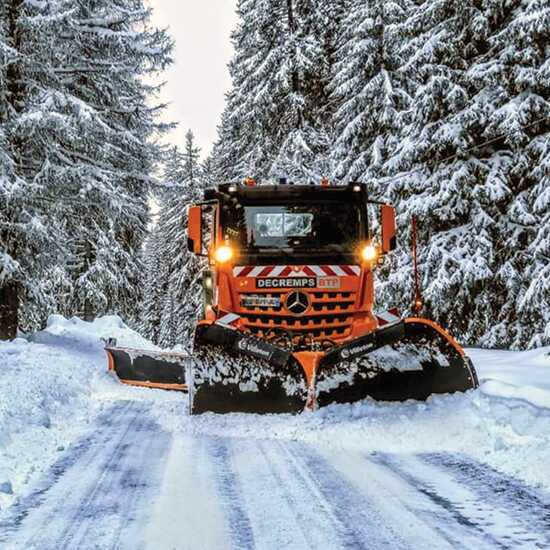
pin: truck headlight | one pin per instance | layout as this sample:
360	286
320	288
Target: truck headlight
223	253
369	253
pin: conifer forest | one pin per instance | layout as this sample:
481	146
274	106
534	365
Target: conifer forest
442	107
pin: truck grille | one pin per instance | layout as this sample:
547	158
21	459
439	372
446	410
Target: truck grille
330	315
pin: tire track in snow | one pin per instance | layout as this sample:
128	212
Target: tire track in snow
93	504
65	514
187	514
87	510
140	480
528	507
230	493
80	451
358	523
285	495
313	515
285	509
270	494
463	512
393	500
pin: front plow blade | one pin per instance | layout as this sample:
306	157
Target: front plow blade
233	372
152	369
409	360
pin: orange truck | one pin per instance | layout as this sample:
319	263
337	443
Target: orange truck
289	318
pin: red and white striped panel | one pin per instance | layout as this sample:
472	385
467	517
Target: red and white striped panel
388	317
297	271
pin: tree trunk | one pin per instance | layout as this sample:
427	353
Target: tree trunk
10	291
83	307
9	310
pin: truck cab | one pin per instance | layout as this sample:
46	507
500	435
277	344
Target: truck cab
292	264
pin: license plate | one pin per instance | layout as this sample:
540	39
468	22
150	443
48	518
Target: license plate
286	282
261	301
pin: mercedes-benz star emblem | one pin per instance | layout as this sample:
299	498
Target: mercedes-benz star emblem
297	303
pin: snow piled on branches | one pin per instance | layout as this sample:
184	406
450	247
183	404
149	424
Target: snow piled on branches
443	108
78	146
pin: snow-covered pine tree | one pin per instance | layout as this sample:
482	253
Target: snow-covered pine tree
28	236
155	283
172	278
108	150
517	76
328	25
184	298
305	140
209	173
191	167
270	126
466	136
369	89
10	188
456	227
156	254
82	134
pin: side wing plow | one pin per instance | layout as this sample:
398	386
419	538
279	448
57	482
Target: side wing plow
152	369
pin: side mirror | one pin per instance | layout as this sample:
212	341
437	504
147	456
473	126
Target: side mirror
194	230
389	242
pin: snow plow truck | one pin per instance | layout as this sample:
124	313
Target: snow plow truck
289	320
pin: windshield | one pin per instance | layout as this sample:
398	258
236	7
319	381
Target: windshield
332	226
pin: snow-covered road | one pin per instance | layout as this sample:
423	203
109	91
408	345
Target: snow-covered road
88	463
94	495
132	484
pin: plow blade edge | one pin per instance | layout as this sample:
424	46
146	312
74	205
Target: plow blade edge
412	359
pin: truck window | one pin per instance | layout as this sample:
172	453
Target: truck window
283	225
306	227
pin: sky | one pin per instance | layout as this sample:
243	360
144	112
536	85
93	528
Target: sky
199	78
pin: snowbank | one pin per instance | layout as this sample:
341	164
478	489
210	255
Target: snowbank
51	386
523	375
80	335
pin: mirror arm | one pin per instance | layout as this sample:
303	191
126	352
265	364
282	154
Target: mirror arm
380	203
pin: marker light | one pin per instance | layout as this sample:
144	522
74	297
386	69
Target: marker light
223	254
369	253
